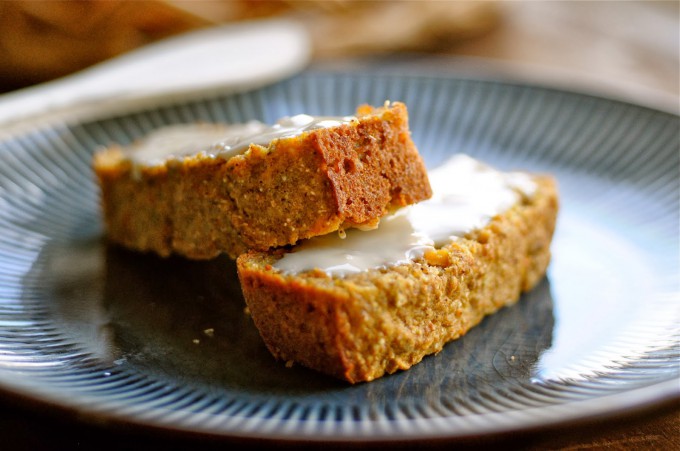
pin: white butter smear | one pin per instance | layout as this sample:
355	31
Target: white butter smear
222	140
467	194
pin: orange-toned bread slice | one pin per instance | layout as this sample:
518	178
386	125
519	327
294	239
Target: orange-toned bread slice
360	326
295	187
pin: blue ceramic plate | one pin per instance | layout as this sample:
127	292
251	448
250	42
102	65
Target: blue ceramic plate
166	343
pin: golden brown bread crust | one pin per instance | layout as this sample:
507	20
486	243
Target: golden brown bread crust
298	187
364	325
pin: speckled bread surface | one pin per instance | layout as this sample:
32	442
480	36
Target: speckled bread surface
362	326
297	187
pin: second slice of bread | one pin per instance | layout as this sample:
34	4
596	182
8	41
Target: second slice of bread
295	187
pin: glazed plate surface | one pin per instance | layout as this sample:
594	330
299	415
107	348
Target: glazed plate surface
167	344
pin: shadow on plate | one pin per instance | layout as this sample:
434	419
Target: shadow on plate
185	321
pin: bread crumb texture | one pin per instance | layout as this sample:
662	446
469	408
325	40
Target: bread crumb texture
311	184
363	326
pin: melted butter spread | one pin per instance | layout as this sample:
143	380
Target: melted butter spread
466	196
222	140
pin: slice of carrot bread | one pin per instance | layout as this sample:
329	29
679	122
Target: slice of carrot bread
379	301
203	190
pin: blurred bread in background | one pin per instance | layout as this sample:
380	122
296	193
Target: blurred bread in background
396	26
43	40
627	48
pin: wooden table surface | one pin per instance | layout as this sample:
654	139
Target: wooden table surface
630	46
